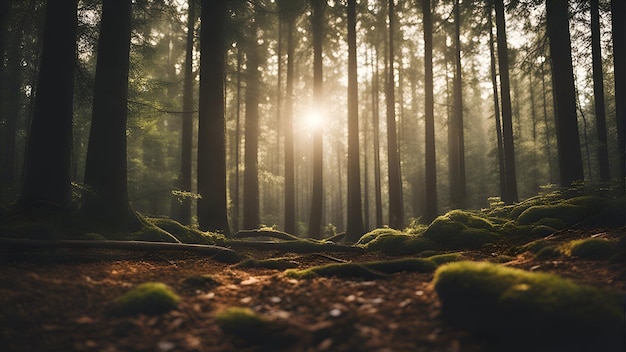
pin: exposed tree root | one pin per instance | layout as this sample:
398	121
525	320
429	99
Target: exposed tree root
266	233
300	246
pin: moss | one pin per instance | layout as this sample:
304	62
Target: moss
147	298
542	231
592	248
201	281
183	233
273	263
549	252
568	213
555	223
372	235
511	228
366	270
240	321
502	301
458	229
440	259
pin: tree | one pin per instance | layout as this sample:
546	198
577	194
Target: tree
184	212
598	93
456	140
396	203
355	228
570	159
496	103
251	216
317	200
618	23
106	169
212	208
429	117
48	153
510	179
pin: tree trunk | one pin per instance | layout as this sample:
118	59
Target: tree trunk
48	151
212	208
315	221
510	189
184	212
396	204
106	170
598	93
429	117
570	159
251	216
290	192
355	228
455	125
376	125
618	13
496	103
235	198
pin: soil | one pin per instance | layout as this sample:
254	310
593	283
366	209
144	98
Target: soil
61	301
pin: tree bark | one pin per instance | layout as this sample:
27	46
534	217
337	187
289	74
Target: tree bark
355	229
396	203
376	124
510	189
570	159
212	206
618	20
48	151
598	93
496	103
290	192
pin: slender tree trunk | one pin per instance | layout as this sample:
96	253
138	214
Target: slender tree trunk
184	215
545	121
212	206
429	117
106	170
496	103
317	201
376	124
618	20
354	229
396	204
510	179
290	184
251	216
598	93
49	146
570	159
236	200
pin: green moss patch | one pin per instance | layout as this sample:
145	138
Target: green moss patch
239	320
366	270
372	235
569	214
185	234
461	230
506	302
592	248
201	281
147	298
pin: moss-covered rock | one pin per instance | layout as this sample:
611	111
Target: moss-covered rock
570	214
201	281
505	302
370	236
240	321
147	298
458	230
592	248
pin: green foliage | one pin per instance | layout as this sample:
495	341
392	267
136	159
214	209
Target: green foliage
366	270
459	229
240	321
502	301
147	298
592	248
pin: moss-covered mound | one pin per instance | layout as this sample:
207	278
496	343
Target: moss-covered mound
185	234
511	303
593	248
239	320
147	298
461	230
366	270
200	281
398	243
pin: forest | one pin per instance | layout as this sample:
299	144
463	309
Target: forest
313	147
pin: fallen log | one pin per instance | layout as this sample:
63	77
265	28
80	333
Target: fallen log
222	254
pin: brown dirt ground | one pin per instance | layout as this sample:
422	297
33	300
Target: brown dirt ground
61	302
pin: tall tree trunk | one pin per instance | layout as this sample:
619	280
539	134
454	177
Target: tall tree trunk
510	190
429	117
455	126
317	201
106	170
251	209
545	121
184	212
496	103
48	152
618	20
376	131
570	159
354	229
290	191
212	206
598	93
237	149
396	204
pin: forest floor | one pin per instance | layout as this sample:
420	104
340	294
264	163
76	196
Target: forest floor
62	301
